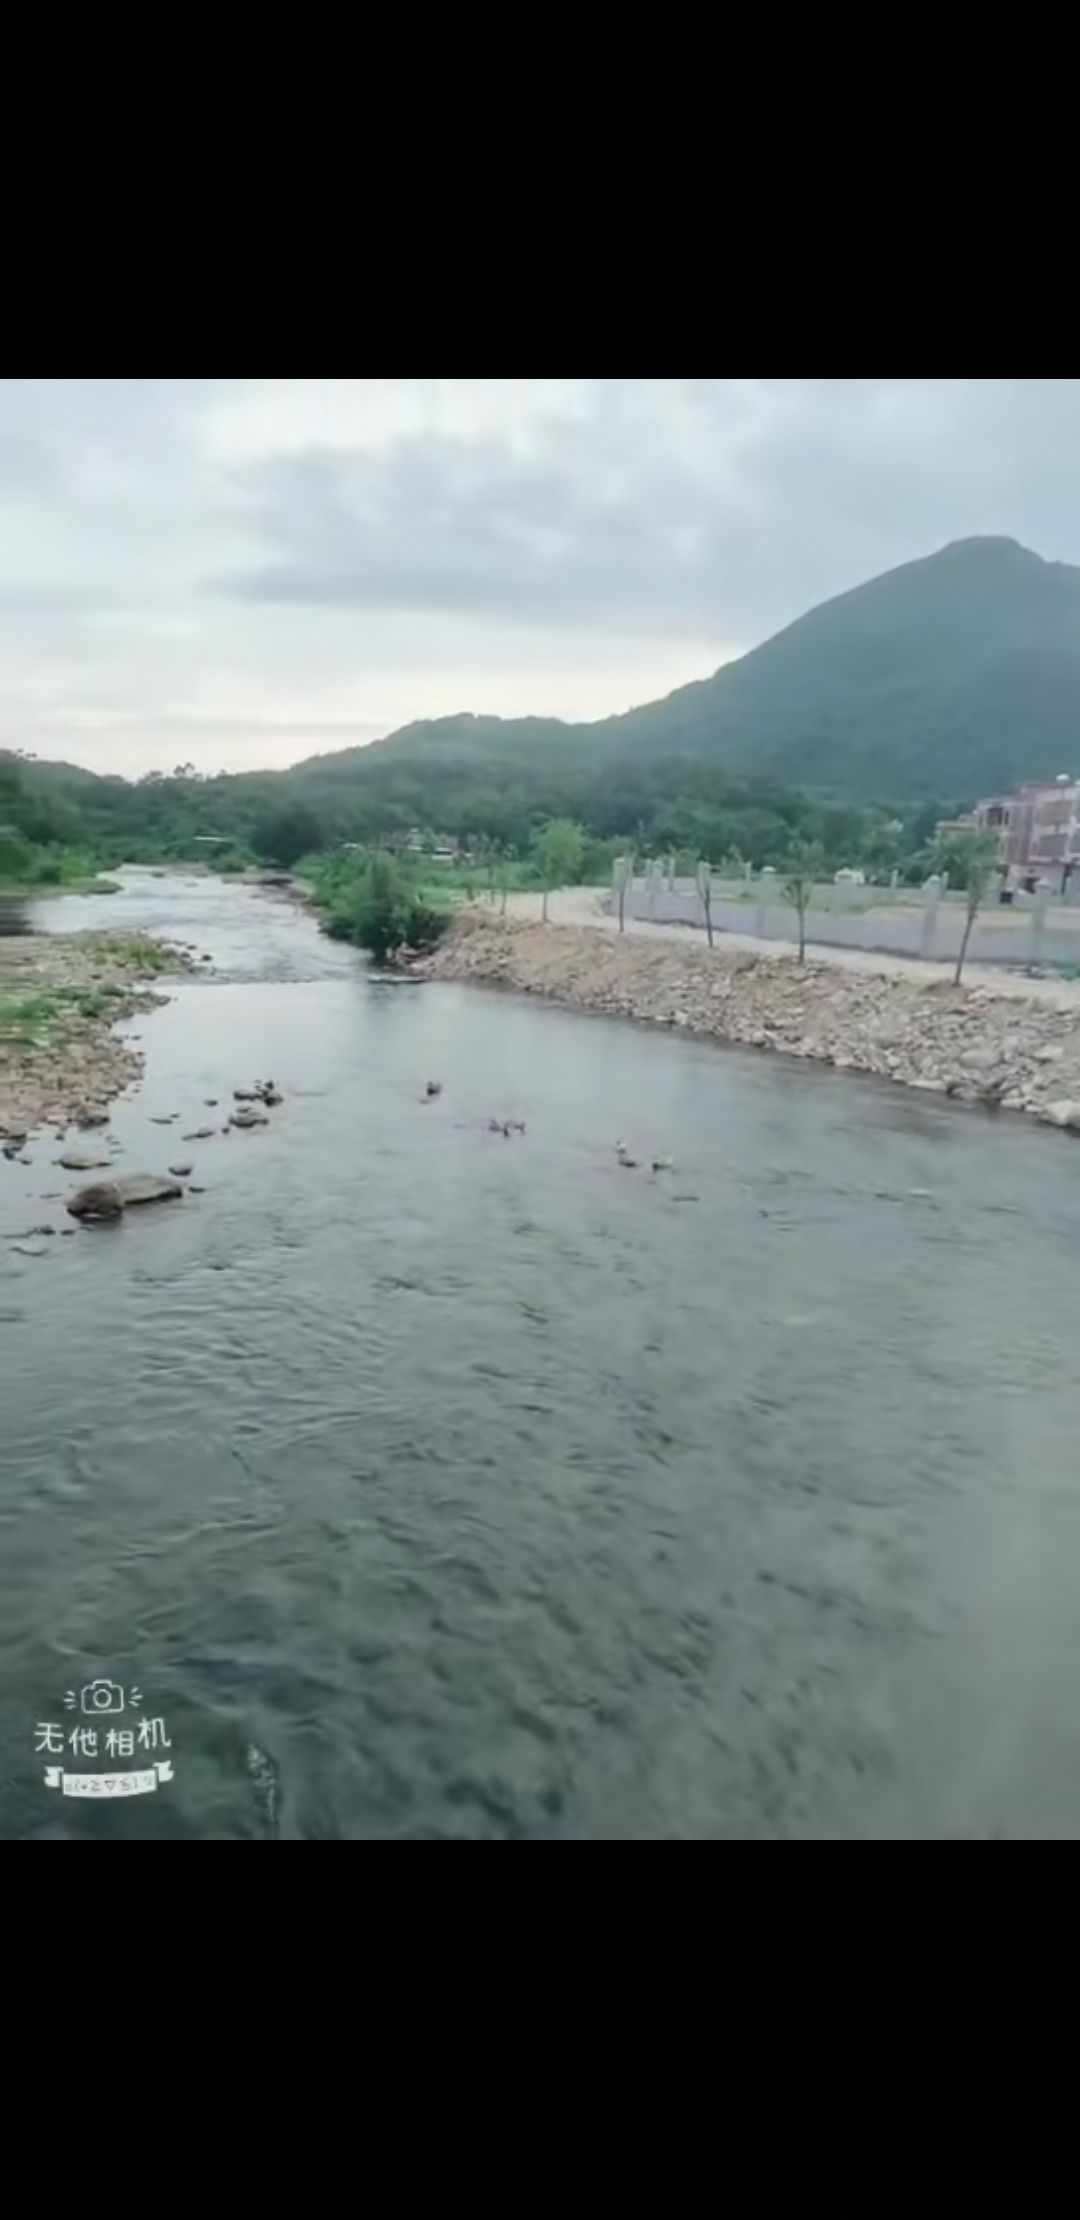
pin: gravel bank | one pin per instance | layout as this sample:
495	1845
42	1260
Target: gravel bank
977	1043
60	997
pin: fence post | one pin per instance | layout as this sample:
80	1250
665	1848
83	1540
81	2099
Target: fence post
1038	922
765	890
932	893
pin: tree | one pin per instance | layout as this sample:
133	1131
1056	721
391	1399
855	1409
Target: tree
806	863
286	834
374	903
560	853
506	865
972	861
704	880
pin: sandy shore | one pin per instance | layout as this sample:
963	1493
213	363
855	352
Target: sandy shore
983	1042
60	997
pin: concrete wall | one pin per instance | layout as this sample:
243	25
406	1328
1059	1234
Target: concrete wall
908	922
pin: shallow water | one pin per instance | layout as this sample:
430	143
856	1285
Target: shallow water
431	1483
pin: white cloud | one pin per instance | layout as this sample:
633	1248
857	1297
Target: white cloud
240	570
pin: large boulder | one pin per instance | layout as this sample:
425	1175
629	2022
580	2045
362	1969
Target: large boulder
146	1187
102	1199
107	1198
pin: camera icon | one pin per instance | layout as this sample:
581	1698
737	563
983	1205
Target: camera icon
101	1695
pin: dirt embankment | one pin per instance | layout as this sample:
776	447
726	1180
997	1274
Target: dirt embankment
976	1043
60	997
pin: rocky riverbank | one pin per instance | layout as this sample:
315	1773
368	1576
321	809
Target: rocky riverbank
60	997
975	1043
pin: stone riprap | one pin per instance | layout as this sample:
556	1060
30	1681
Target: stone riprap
972	1043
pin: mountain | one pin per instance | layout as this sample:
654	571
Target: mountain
950	676
893	704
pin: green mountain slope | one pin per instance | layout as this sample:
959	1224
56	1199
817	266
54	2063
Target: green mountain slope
949	676
903	699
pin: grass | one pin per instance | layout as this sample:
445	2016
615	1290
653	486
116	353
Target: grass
42	1015
47	1019
137	952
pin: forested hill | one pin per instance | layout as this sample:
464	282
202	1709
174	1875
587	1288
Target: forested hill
950	676
856	727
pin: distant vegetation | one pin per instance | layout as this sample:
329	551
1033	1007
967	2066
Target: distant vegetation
57	823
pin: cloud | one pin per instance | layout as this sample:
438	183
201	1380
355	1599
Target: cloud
260	561
724	506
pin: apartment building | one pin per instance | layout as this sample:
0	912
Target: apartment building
1038	827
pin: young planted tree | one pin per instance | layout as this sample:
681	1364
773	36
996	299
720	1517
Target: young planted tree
805	866
971	861
560	852
704	880
506	865
491	865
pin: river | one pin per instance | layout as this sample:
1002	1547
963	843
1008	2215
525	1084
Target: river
428	1483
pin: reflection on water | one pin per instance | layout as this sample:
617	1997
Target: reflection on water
436	1483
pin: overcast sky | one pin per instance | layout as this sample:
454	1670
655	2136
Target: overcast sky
243	571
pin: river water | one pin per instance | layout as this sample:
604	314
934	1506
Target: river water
427	1483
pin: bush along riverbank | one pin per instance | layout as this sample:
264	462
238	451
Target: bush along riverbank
972	1043
377	903
60	997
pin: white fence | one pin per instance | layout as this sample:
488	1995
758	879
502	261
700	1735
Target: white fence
901	921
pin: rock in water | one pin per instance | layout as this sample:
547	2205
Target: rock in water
181	1171
100	1200
107	1198
146	1187
90	1117
248	1117
75	1161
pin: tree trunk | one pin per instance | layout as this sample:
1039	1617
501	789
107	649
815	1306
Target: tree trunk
708	919
968	923
802	936
543	907
502	911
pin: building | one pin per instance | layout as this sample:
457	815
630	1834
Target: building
1055	829
1038	827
